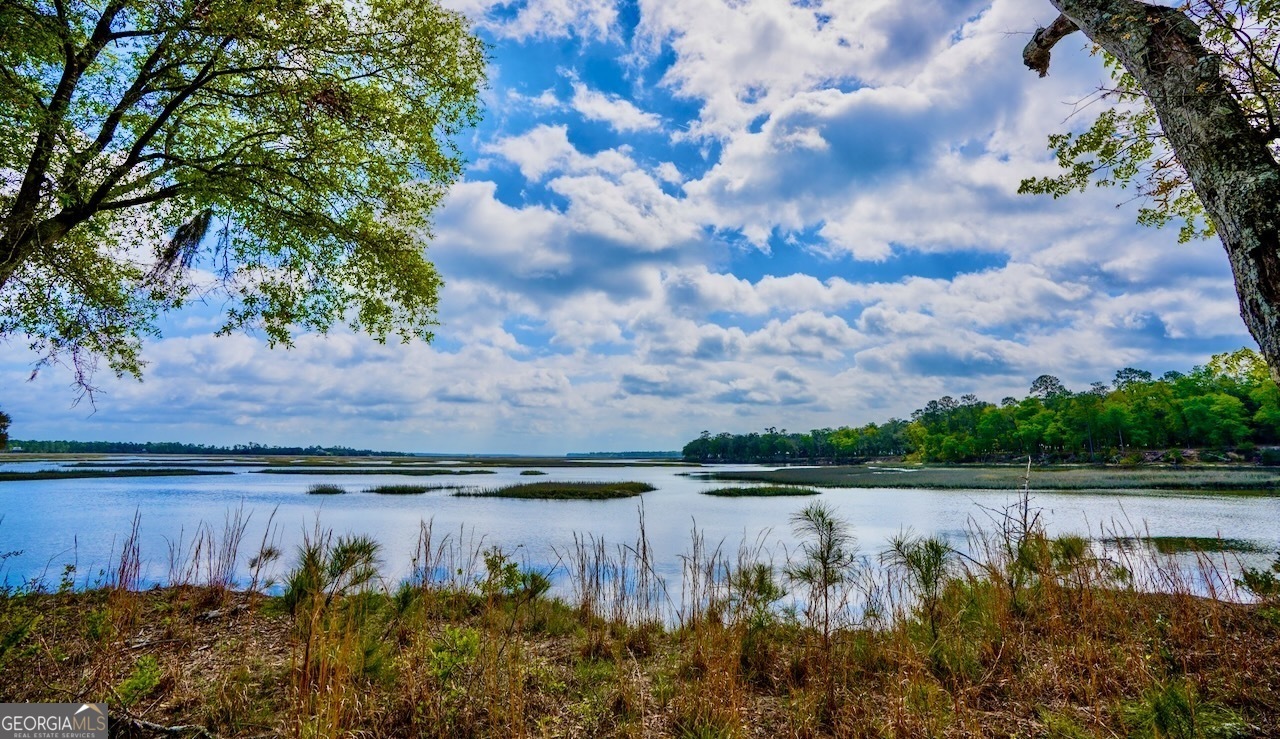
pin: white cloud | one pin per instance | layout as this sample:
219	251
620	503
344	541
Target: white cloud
620	114
668	172
540	150
542	19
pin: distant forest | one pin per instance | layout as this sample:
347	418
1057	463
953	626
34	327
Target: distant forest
1229	404
173	447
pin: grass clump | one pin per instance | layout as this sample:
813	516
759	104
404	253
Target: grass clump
760	491
404	489
531	473
564	490
1174	711
325	489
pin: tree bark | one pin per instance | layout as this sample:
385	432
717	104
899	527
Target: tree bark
1227	160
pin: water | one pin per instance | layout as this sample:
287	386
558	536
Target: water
83	522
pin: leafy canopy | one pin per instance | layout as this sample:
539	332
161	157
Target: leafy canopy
1125	146
280	157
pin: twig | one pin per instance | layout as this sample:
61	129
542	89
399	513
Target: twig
194	730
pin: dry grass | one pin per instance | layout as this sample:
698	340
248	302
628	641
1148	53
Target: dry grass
1023	636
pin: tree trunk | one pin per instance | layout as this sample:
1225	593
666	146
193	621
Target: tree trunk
1227	160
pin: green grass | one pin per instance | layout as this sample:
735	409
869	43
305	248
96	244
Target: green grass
407	489
366	471
82	474
326	490
564	490
530	473
996	477
760	491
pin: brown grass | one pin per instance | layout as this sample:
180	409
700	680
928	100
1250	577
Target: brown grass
1026	636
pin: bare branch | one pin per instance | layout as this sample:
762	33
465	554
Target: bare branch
1036	53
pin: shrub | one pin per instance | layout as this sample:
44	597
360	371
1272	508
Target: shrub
925	562
328	571
1265	584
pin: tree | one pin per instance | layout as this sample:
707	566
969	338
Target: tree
1129	376
4	430
1047	387
281	156
1202	137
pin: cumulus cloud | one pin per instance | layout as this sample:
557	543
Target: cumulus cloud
622	115
542	19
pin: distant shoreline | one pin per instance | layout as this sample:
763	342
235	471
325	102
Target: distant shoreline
1207	478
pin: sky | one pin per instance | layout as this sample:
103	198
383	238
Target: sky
723	215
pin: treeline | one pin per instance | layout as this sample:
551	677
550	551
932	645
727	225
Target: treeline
174	447
1231	403
820	446
623	455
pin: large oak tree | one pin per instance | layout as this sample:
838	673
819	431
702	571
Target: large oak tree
1198	135
279	158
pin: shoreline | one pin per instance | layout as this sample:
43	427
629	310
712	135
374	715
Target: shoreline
1057	478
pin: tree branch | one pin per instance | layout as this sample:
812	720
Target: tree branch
1036	53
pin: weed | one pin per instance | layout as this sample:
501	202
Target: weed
144	679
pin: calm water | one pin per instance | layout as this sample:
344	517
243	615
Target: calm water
83	522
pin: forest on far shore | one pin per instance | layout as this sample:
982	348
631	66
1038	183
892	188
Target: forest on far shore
1229	407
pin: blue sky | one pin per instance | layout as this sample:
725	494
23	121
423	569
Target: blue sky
701	214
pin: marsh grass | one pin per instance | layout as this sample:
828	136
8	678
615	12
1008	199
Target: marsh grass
563	490
1019	634
408	489
355	470
760	491
326	489
80	474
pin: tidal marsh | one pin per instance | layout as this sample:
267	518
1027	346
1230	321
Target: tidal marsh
563	490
